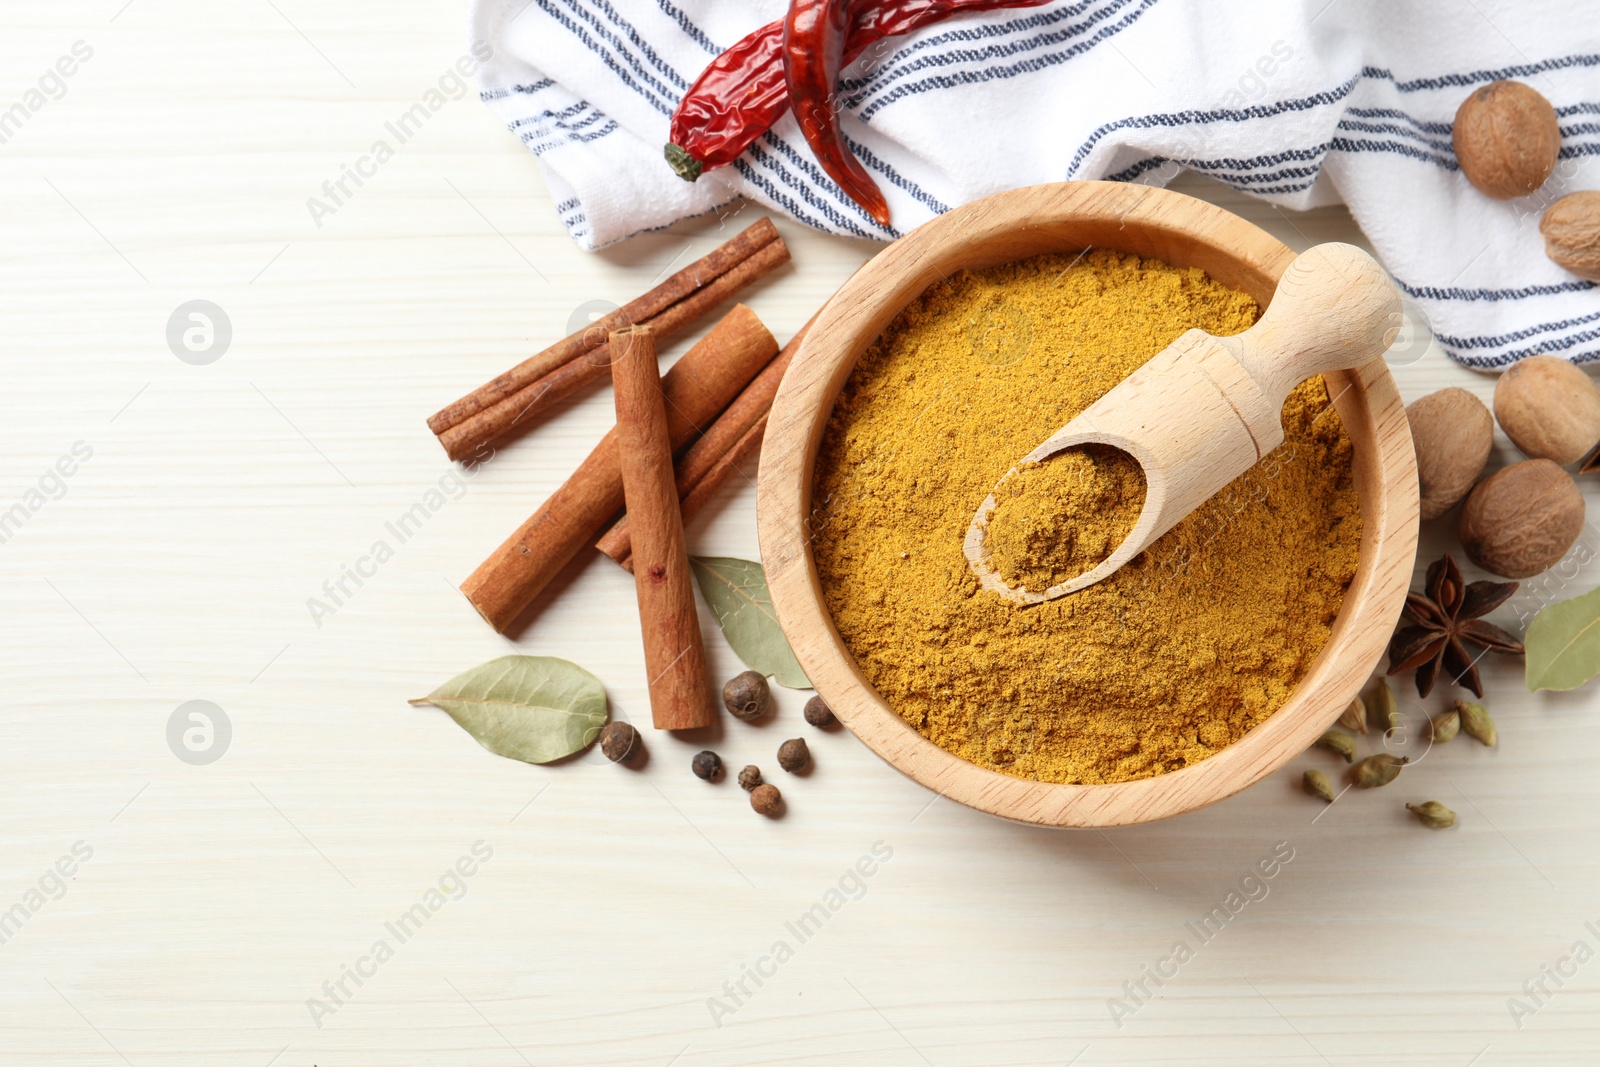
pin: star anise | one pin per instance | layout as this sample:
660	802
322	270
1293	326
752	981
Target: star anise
1443	621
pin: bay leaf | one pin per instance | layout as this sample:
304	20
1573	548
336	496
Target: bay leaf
1563	644
736	590
530	708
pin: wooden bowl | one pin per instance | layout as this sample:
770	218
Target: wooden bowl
1009	226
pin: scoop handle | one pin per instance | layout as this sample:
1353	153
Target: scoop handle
1334	309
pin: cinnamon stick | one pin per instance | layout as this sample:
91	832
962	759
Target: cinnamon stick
696	389
699	273
674	657
618	541
712	460
527	405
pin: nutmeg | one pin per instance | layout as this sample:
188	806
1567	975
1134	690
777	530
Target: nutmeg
1571	231
1521	520
1549	408
1507	139
1452	433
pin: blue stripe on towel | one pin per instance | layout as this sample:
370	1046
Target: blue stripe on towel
570	111
690	30
606	57
1521	70
997	73
1262	111
1221	168
526	90
1428	292
967	30
872	162
1549	348
576	129
1144	166
1189	118
870	90
562	119
755	156
1346	144
1520	335
540	141
810	182
1463	349
1439	128
545	130
635	38
1338	144
1361	126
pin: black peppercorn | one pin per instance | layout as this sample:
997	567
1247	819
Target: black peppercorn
793	755
766	799
749	778
747	696
620	742
818	714
707	765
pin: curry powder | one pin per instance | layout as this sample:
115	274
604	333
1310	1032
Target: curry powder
1175	656
1061	517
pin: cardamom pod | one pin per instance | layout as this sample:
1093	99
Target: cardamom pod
1383	712
1343	744
1316	784
1433	815
1355	716
1445	725
1377	770
1476	722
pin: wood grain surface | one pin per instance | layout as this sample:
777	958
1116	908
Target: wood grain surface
617	913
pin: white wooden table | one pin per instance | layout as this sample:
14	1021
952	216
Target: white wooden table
175	564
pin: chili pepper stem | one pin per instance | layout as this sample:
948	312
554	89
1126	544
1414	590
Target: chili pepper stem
683	164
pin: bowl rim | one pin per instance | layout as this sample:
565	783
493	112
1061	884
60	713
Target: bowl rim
1191	232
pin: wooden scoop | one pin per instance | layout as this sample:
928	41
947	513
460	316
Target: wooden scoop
1205	409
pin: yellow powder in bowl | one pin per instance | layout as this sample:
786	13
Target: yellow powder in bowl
1061	517
1202	636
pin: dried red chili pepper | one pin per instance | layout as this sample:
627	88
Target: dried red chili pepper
743	92
814	35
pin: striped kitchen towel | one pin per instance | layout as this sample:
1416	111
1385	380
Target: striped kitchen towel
1301	103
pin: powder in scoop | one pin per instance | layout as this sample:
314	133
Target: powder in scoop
1058	518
